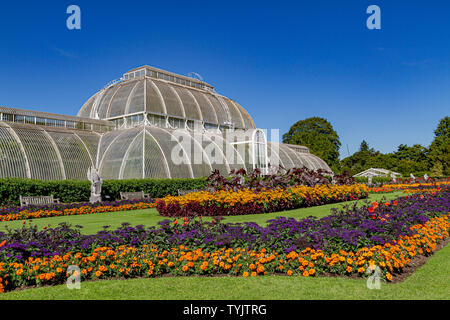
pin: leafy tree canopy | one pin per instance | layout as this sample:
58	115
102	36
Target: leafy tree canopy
319	136
439	156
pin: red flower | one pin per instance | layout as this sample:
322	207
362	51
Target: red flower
395	202
175	222
371	209
3	243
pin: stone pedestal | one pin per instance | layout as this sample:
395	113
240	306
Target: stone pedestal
95	198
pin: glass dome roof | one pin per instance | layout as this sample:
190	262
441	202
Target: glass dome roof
159	92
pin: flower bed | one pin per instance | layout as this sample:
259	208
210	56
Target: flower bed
348	242
246	201
34	212
151	261
433	187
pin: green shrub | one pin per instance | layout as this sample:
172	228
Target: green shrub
69	191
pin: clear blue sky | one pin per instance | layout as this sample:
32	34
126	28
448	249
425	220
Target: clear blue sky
282	60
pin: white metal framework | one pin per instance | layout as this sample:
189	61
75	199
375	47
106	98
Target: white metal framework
150	123
376	172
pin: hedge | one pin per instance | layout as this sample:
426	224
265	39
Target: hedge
69	191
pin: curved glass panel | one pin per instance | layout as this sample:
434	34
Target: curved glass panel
298	163
284	157
103	105
153	101
200	162
115	153
222	115
208	113
298	158
119	101
12	158
133	161
155	165
179	163
106	141
74	155
171	101
87	107
42	157
247	119
235	114
190	107
274	156
136	101
91	142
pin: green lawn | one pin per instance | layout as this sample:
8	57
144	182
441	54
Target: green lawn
429	282
94	222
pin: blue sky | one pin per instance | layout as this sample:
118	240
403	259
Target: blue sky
283	61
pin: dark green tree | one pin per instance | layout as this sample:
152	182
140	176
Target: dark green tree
439	155
364	146
319	136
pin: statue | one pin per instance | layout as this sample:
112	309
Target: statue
425	176
96	185
412	177
333	179
394	178
369	178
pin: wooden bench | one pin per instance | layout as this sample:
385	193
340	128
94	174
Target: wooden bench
185	192
37	200
135	196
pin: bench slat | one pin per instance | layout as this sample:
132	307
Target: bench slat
37	200
140	195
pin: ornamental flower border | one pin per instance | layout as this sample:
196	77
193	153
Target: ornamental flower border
36	212
246	201
430	187
149	261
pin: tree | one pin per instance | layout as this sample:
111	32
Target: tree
439	155
319	136
405	160
364	146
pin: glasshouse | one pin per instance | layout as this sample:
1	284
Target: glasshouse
150	123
